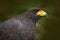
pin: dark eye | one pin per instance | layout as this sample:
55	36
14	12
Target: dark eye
35	10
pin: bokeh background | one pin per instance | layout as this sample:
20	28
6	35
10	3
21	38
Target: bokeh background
48	28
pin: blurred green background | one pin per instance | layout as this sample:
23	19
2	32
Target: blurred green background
48	28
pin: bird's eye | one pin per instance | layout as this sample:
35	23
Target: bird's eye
35	11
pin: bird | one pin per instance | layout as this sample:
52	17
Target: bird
23	26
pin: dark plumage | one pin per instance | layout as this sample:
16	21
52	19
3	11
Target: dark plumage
21	27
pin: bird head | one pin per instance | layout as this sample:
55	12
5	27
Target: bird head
36	13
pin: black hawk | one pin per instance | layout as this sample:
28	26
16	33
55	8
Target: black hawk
21	27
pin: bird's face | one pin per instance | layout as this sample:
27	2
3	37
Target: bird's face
36	13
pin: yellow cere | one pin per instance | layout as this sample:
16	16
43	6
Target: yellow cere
41	13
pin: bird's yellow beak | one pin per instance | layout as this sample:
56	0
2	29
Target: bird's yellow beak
41	13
